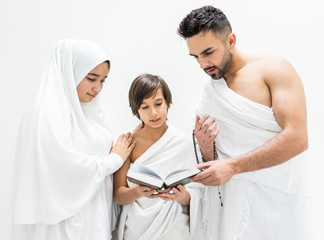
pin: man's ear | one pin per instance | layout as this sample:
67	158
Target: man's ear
231	41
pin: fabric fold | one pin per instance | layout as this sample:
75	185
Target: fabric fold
245	125
62	154
159	218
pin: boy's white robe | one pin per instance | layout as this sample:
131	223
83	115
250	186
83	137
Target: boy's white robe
158	219
272	203
63	169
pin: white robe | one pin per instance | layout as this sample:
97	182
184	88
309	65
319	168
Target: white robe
272	203
63	182
150	219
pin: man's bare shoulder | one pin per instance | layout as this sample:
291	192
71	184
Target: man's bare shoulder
269	64
266	61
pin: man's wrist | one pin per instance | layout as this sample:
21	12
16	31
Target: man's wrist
235	166
207	154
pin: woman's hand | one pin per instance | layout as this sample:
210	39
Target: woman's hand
124	145
179	194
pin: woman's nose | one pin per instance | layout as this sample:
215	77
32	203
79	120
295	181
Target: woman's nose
97	87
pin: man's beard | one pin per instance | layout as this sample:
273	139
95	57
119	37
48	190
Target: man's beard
223	67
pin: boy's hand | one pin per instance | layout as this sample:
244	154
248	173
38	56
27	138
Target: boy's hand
179	194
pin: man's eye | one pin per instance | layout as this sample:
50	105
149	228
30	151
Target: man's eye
208	53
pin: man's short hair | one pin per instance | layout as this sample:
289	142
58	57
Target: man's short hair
145	86
204	19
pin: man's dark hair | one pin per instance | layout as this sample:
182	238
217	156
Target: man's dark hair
145	86
204	19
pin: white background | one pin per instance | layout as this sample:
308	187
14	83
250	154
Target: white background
140	36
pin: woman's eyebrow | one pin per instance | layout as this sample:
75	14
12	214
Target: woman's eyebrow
96	75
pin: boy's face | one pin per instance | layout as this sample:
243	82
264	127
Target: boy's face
154	110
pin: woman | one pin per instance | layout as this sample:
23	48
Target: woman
64	162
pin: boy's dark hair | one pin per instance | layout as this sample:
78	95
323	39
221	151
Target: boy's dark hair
145	86
204	19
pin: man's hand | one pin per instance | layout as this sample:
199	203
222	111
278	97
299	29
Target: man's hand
206	132
216	172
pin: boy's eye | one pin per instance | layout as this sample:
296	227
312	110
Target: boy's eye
145	107
158	104
102	81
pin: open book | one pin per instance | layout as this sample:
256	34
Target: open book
144	176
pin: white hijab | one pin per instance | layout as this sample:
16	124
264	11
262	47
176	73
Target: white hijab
61	142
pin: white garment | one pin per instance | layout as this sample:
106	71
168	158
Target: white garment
244	126
151	219
63	182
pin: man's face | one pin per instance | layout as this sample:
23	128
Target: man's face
211	53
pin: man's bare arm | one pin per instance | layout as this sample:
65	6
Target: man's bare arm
289	106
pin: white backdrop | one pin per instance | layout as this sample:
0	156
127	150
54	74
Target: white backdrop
140	36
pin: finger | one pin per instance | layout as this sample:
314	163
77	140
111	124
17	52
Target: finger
153	191
201	176
154	196
167	197
145	188
207	124
181	188
126	137
204	165
214	134
197	122
200	122
175	190
212	128
129	139
131	147
119	138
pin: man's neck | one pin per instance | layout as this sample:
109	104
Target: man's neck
238	62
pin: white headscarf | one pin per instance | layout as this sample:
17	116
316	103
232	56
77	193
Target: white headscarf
61	143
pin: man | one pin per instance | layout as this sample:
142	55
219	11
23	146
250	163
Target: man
260	135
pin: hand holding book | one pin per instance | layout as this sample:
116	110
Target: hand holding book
144	176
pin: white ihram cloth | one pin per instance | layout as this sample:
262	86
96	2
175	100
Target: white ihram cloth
272	203
150	219
63	182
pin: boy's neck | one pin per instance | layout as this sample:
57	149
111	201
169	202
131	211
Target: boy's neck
155	133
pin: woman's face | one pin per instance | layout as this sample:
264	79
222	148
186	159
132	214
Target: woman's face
91	85
153	110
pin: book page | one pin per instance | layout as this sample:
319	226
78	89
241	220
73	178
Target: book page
143	169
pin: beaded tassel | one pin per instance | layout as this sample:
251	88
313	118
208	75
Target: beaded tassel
196	154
